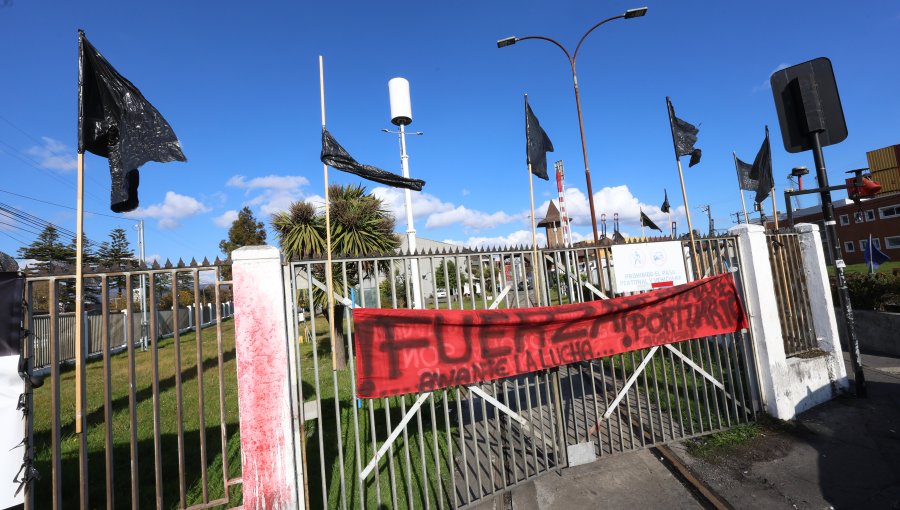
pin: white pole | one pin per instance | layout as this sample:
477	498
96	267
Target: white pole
143	287
410	229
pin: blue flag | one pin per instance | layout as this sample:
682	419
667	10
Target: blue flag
873	256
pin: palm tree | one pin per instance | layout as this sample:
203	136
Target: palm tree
360	225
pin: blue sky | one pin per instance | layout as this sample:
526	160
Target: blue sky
239	84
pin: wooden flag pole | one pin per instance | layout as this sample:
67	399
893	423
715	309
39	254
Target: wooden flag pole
329	282
535	263
740	189
79	303
687	212
774	208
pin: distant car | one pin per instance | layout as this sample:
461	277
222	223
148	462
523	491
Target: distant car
440	293
521	285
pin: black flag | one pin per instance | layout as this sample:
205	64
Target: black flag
116	122
647	222
665	206
743	169
684	136
336	156
761	170
537	144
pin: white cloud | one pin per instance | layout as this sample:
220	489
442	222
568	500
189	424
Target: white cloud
277	192
765	85
54	155
465	192
469	219
438	213
609	201
175	207
519	237
226	219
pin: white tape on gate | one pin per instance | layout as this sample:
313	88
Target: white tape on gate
631	380
394	434
499	405
500	297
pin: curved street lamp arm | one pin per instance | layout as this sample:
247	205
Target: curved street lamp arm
560	46
575	55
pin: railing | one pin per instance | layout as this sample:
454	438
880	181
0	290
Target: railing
139	429
118	321
791	292
462	446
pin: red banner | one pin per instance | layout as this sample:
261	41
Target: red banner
411	351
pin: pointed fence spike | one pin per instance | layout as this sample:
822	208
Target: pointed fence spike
205	261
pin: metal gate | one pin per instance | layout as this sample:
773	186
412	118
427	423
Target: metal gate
454	447
156	422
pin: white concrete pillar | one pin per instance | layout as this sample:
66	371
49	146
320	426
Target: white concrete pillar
270	445
821	302
789	386
762	311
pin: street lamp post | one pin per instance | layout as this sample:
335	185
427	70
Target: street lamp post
509	41
401	115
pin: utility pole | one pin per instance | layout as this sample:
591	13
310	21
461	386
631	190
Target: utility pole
708	211
739	217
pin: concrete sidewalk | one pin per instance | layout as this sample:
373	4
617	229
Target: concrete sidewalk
842	454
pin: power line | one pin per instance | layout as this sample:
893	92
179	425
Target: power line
13	237
67	206
33	220
37	165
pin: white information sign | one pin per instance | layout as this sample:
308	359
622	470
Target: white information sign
645	266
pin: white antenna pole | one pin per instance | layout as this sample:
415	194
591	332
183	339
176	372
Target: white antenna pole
401	115
144	332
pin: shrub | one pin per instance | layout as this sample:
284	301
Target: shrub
879	291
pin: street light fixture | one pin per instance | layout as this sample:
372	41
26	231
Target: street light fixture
509	41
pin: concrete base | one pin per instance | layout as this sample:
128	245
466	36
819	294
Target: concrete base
628	480
813	381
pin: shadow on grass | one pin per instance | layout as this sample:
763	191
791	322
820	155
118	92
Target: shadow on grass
146	482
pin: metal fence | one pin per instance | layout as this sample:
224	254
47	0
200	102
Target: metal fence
792	293
117	322
462	445
139	429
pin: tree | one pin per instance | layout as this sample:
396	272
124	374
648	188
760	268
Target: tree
48	248
360	225
244	231
116	253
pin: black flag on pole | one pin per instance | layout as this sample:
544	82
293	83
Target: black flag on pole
747	183
647	222
665	205
761	170
684	136
116	122
336	156
537	144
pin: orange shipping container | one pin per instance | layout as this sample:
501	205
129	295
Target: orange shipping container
882	159
889	178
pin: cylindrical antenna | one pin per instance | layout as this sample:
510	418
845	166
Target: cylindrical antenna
401	108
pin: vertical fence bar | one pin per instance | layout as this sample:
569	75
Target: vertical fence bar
107	393
54	397
154	374
198	336
132	398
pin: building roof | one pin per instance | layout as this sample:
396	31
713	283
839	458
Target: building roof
552	217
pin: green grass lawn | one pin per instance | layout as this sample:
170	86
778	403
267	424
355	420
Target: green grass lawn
414	480
121	430
887	267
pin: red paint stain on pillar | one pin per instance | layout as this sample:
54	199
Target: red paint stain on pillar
263	393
